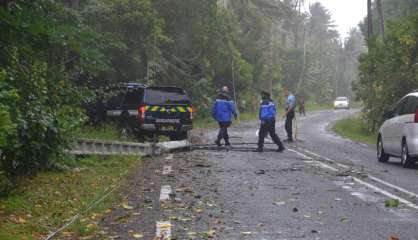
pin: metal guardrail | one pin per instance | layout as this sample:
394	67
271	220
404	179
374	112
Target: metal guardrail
104	147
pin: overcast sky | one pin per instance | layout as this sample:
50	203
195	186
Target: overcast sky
345	13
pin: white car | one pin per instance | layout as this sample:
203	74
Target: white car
398	136
342	102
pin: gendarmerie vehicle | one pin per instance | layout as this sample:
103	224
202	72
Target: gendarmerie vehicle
147	110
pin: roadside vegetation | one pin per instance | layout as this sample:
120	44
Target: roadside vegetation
208	122
355	129
106	131
389	69
313	106
47	201
57	58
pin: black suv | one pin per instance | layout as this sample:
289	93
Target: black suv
147	110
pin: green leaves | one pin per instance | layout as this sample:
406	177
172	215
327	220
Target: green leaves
387	71
392	203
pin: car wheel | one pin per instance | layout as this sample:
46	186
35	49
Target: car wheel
381	155
406	160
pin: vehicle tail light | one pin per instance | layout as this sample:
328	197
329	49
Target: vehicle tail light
416	116
192	112
141	112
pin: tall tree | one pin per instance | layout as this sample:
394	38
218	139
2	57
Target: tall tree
381	18
369	19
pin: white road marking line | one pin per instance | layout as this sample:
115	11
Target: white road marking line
371	186
309	158
167	170
343	166
169	157
163	230
300	154
411	194
400	189
165	192
327	159
388	194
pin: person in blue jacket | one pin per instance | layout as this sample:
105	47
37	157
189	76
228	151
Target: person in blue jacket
222	111
267	117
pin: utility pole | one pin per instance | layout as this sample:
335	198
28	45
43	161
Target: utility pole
233	79
302	73
336	74
233	82
152	67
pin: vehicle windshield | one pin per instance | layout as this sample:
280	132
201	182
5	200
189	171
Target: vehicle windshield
342	99
161	96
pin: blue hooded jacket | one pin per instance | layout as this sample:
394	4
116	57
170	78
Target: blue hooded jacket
223	109
267	110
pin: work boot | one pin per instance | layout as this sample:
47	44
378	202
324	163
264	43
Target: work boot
289	140
218	143
227	143
281	148
259	150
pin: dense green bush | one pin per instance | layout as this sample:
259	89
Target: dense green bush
55	56
58	56
389	70
38	100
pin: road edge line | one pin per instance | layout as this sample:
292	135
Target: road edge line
373	178
369	185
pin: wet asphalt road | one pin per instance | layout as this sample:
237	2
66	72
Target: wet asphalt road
322	187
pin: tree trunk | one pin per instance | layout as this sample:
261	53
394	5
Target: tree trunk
369	19
76	3
381	18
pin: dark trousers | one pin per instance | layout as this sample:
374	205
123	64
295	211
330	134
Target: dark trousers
302	110
268	127
223	131
288	124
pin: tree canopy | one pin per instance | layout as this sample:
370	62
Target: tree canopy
56	56
388	70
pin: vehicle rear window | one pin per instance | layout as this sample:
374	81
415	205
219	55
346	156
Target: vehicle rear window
342	99
410	106
133	97
161	96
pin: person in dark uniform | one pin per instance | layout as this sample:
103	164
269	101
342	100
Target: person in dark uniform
302	110
289	114
267	117
222	111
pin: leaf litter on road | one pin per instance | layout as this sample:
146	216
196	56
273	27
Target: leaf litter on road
137	235
392	203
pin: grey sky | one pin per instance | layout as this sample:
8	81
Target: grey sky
345	13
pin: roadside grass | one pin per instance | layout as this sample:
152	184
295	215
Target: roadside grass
204	123
248	116
354	129
208	122
312	106
47	201
107	131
